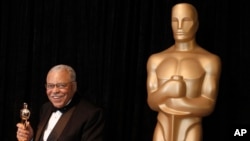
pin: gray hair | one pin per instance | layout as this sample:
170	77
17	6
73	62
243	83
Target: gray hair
67	68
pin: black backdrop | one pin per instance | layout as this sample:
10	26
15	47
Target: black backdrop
108	43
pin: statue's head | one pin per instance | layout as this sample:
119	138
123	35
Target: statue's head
184	22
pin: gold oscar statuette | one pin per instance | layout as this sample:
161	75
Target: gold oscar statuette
25	114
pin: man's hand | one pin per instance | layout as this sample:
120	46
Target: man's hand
24	133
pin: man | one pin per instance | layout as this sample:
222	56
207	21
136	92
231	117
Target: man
182	81
66	117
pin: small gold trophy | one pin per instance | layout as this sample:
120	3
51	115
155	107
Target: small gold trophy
24	114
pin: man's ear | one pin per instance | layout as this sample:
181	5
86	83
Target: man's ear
74	86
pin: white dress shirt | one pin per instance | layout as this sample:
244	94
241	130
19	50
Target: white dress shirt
55	116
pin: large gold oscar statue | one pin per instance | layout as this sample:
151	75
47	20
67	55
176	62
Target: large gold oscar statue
182	81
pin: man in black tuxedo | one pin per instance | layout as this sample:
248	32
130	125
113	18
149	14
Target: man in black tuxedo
67	117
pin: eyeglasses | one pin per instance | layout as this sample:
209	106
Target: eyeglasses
57	85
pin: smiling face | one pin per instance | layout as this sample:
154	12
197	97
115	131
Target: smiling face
184	22
60	87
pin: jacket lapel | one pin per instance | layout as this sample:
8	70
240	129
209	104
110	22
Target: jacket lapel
60	125
42	124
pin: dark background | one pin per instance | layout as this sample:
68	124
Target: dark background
108	43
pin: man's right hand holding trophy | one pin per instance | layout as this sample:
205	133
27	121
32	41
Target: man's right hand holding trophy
24	131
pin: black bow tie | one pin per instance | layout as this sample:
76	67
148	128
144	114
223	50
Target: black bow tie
63	109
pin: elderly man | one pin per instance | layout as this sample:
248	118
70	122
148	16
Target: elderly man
66	117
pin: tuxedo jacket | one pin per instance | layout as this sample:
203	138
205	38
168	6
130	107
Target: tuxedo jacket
85	124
